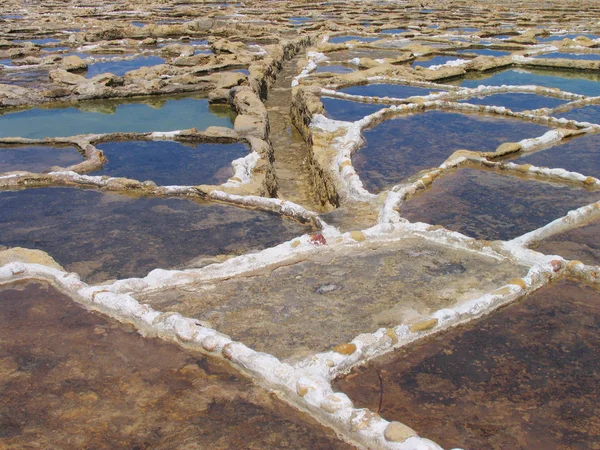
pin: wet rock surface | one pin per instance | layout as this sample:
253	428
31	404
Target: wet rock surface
522	378
308	306
72	378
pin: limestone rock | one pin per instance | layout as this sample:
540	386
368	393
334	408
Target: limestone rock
11	95
149	41
218	96
57	92
483	63
18	254
225	46
27	61
73	62
423	325
108	79
90	89
228	80
190	61
250	125
178	50
398	432
199	24
64	77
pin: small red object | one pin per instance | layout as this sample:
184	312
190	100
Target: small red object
556	265
317	239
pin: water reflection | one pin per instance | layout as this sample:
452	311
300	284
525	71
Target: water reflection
104	235
159	113
168	163
400	147
577	82
486	205
37	158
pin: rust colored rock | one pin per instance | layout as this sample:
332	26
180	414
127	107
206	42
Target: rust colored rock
423	325
345	349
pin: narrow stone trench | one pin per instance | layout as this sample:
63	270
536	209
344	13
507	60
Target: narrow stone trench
291	152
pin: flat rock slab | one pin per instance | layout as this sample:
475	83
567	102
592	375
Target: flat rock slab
525	377
581	244
311	306
171	163
403	146
105	236
487	205
111	116
74	379
37	158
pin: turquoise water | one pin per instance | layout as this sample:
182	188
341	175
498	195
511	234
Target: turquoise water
108	235
171	163
578	83
401	147
120	68
140	115
517	101
37	158
339	109
590	113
